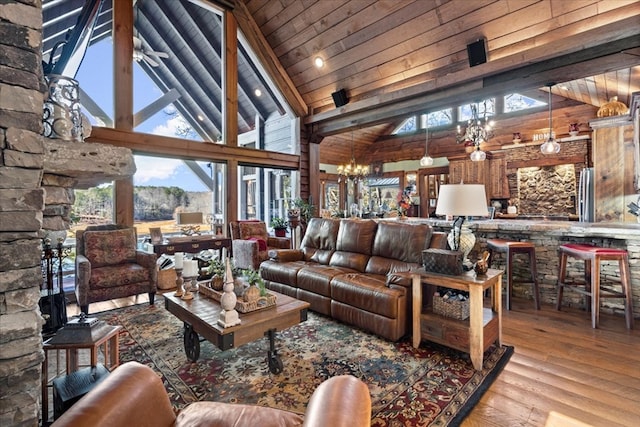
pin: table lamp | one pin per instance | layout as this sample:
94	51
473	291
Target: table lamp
462	200
189	222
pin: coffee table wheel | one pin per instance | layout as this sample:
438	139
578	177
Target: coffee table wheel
275	363
191	343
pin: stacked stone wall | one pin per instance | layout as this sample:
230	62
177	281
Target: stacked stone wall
21	207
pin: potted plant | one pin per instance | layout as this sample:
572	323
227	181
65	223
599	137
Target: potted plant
279	225
305	208
216	269
255	281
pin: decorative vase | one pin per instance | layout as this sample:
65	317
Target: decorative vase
217	282
252	293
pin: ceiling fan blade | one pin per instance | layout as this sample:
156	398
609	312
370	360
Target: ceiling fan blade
149	60
158	54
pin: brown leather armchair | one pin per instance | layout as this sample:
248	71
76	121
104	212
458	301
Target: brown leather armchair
109	266
133	395
251	243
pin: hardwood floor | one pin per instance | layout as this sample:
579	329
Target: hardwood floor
560	364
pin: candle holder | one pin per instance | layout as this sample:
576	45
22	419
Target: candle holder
179	289
228	314
189	284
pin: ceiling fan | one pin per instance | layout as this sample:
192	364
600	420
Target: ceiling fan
142	53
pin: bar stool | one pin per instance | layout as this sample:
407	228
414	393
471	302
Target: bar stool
594	289
510	248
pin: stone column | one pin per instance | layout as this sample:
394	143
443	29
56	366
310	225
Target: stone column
21	206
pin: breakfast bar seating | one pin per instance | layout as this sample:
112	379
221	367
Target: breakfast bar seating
593	287
510	248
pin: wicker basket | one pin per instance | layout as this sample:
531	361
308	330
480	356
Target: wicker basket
453	307
167	279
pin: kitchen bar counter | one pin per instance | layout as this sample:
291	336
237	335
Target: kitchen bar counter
547	235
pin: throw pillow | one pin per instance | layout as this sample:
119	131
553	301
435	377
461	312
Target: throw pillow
262	244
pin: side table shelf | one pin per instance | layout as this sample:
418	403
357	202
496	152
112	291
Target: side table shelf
473	335
66	356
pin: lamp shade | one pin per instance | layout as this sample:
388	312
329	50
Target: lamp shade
189	218
462	200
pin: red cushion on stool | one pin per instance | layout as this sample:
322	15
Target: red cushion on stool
593	249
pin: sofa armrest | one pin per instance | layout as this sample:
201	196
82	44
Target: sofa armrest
286	255
148	261
274	242
131	395
340	401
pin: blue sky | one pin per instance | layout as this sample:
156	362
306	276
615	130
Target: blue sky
95	77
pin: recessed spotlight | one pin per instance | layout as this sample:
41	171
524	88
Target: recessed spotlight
200	117
258	92
319	62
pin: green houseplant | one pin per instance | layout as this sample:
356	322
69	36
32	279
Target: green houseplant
279	225
216	269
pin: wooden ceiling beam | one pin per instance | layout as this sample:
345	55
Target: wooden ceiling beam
158	145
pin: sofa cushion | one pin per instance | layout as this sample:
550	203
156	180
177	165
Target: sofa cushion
117	275
320	239
387	266
282	272
211	414
110	247
317	278
404	242
356	236
367	292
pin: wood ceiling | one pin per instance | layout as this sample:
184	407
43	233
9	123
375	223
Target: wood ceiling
388	51
393	58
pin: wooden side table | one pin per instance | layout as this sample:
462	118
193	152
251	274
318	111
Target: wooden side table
474	335
105	337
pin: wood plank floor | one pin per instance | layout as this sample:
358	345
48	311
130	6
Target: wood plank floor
560	364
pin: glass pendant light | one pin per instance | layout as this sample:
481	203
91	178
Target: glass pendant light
550	146
426	160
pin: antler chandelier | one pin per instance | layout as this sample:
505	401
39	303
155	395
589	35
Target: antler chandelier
476	133
352	170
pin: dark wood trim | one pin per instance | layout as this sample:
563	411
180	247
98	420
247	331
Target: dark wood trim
546	161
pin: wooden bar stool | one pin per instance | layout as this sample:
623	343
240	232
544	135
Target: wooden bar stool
594	289
510	248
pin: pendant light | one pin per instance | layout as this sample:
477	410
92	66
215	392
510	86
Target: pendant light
426	160
550	146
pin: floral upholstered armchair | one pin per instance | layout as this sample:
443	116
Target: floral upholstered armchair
251	243
108	265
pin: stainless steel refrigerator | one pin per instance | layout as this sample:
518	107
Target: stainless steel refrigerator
586	196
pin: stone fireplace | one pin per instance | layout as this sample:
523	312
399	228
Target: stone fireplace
37	178
547	191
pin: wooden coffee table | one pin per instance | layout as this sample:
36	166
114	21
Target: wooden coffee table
200	316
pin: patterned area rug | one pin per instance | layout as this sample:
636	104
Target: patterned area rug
429	386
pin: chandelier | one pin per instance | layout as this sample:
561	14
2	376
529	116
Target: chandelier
550	146
352	170
426	160
476	133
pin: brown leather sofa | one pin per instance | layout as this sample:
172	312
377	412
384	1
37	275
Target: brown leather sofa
351	269
133	395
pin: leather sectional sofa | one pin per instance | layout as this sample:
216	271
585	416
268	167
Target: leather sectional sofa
133	395
350	270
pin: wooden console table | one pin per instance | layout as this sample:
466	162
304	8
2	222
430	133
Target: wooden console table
194	246
474	335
